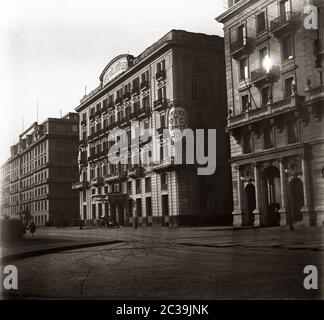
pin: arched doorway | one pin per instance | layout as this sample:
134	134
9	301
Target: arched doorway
271	196
249	205
295	199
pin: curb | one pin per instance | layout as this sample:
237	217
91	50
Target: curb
40	252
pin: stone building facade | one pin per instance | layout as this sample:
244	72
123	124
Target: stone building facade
274	68
183	73
36	181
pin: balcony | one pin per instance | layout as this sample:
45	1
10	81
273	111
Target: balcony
269	110
160	75
83	161
135	91
126	96
118	100
116	176
97	182
144	112
93	135
145	85
84	122
136	172
92	116
160	104
240	47
83	142
285	22
315	93
314	99
80	185
259	77
124	122
165	164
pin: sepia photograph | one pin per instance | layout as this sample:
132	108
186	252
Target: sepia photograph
162	154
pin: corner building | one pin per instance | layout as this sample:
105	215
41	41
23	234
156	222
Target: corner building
181	70
275	90
36	181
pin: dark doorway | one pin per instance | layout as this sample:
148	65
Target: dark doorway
165	205
249	204
148	203
165	209
295	199
113	213
99	210
84	212
138	207
121	219
93	212
271	195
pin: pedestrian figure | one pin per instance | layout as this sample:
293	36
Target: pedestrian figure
32	228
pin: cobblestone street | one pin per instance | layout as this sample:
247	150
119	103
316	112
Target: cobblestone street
179	263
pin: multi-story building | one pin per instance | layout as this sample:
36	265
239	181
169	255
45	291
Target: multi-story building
274	65
36	181
179	79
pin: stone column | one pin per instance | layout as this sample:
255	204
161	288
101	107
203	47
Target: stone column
307	209
284	194
258	204
237	214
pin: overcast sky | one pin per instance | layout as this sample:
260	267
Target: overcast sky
50	50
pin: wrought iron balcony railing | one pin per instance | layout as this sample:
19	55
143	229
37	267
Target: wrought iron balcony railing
145	85
284	21
161	75
160	103
241	46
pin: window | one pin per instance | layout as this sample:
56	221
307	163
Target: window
292	135
241	34
261	22
285	9
146	102
111	100
138	186
161	66
287	47
161	93
145	77
129	187
164	181
265	95
127	88
247	144
136	83
198	90
148	207
289	87
136	106
148	184
245	100
268	138
162	121
244	71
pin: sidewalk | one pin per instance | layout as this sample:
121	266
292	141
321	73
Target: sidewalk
40	245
